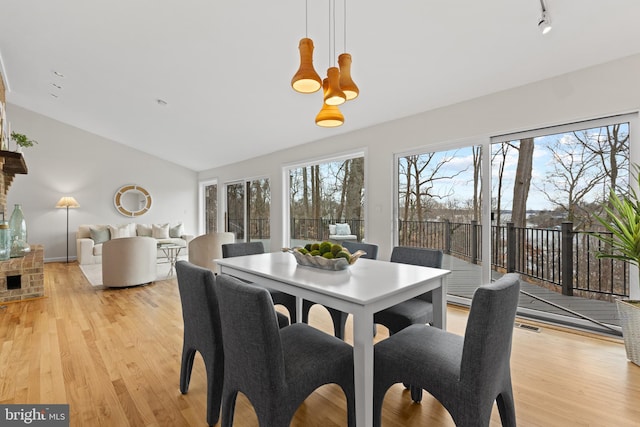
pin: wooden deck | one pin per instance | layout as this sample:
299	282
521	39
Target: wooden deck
465	278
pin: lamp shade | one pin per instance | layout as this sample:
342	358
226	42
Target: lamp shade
334	95
67	202
329	116
306	79
347	85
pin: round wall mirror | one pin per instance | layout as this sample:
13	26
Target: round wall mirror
132	200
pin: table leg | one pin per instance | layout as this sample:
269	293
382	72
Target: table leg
363	367
439	298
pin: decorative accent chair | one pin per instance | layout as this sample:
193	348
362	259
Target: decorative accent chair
466	374
202	332
418	310
129	261
252	248
339	318
276	369
204	249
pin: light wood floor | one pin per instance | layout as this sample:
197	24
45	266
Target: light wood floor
114	357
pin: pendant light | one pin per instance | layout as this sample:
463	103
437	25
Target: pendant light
347	84
306	79
334	95
329	116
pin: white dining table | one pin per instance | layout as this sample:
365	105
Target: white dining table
363	289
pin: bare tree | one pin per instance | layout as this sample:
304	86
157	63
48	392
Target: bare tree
477	181
501	155
574	176
522	182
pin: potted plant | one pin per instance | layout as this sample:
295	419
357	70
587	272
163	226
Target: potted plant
622	219
21	140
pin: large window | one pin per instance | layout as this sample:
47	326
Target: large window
439	205
326	193
248	210
548	186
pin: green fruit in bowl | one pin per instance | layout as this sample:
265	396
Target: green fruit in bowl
325	247
344	254
303	251
314	252
315	246
328	255
335	249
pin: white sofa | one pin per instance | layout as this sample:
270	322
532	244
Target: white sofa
89	238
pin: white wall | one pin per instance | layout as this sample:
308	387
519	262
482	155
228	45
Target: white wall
70	161
594	92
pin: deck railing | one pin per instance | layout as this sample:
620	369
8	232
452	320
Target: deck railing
562	257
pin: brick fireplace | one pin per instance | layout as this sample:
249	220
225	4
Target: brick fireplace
20	278
23	278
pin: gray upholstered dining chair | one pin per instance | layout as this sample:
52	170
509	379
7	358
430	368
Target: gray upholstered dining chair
276	369
466	374
202	332
339	318
252	248
418	310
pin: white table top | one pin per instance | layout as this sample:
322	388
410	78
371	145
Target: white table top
363	283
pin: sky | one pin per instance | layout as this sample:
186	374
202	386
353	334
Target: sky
461	162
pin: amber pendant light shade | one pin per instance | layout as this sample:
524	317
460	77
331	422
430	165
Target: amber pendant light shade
329	116
306	80
347	85
334	95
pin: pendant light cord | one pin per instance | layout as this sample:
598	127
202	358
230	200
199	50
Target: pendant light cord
306	18
333	2
345	26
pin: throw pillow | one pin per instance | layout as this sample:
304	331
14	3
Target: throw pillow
99	234
343	229
119	231
144	230
176	231
160	231
332	229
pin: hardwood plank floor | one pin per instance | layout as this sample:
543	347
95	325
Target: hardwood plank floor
114	357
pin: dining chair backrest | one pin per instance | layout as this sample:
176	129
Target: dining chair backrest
371	250
417	256
242	248
250	337
202	332
423	257
489	331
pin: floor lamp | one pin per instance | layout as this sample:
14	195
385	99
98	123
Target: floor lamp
67	202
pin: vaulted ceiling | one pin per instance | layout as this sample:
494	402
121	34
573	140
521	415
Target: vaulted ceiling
224	68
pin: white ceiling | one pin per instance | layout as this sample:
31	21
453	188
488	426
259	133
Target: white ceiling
225	67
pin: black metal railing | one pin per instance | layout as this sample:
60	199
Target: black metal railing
561	257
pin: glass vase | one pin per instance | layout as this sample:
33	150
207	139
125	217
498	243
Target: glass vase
5	241
18	232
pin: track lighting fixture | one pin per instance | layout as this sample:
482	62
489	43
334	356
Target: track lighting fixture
544	23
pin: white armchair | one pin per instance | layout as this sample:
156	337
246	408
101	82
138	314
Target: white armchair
341	232
204	249
129	261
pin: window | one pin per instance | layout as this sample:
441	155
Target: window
324	193
439	201
248	210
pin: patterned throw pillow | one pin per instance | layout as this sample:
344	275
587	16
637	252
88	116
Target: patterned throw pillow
119	231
